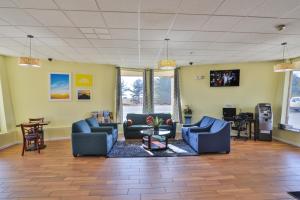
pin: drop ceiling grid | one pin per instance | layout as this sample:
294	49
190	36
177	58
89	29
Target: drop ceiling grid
215	24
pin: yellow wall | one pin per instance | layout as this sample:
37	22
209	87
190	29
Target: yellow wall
30	86
258	84
7	120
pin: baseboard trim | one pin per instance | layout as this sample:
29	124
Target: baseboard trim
8	145
18	142
58	138
285	141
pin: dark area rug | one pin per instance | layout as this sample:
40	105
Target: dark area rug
295	194
128	149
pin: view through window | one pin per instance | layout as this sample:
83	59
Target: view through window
163	92
132	94
294	101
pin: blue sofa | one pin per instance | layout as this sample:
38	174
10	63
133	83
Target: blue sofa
208	135
88	140
139	123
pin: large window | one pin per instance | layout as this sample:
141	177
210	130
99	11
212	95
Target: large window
132	93
163	91
293	113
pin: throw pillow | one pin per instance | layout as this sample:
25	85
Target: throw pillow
169	122
129	122
149	120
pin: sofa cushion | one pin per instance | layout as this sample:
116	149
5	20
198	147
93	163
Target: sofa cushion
138	127
141	118
81	127
169	121
129	122
92	121
217	126
206	121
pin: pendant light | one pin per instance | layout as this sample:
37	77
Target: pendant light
29	61
167	64
286	65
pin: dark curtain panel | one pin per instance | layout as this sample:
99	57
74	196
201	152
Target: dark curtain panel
177	99
119	106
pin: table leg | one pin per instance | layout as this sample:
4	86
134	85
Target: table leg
250	130
149	142
167	142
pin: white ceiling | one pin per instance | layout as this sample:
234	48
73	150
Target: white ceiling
130	33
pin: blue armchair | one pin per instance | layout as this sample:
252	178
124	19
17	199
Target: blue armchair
86	141
213	139
204	124
110	128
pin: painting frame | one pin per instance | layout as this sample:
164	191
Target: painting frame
88	97
55	78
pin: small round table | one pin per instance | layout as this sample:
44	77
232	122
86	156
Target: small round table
155	140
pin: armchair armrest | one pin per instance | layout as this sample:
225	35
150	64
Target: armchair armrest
107	129
198	129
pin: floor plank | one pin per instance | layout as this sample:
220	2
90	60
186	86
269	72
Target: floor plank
253	170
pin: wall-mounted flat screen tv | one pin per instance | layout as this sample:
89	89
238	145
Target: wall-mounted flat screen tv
224	78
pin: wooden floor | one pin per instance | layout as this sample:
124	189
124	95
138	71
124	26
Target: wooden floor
253	170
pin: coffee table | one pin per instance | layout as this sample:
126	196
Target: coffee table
155	140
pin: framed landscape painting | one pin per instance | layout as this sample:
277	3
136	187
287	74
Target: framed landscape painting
60	86
84	94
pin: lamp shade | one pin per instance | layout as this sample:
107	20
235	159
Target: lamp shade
29	62
284	67
167	64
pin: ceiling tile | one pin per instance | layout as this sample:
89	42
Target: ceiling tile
206	36
259	25
129	34
86	19
105	37
77	4
238	7
189	22
121	20
7	4
221	23
160	6
275	8
56	42
114	43
156	21
119	5
37	31
78	42
2	22
11	31
9	42
181	35
153	34
39	4
67	32
87	30
91	35
17	17
246	38
199	6
152	44
50	17
101	31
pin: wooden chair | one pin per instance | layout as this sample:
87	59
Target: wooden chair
30	134
40	127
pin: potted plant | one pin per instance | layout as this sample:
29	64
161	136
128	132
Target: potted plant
187	111
154	122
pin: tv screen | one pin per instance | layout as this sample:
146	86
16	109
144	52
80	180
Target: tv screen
225	78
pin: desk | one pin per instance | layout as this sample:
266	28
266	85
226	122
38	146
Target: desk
42	146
